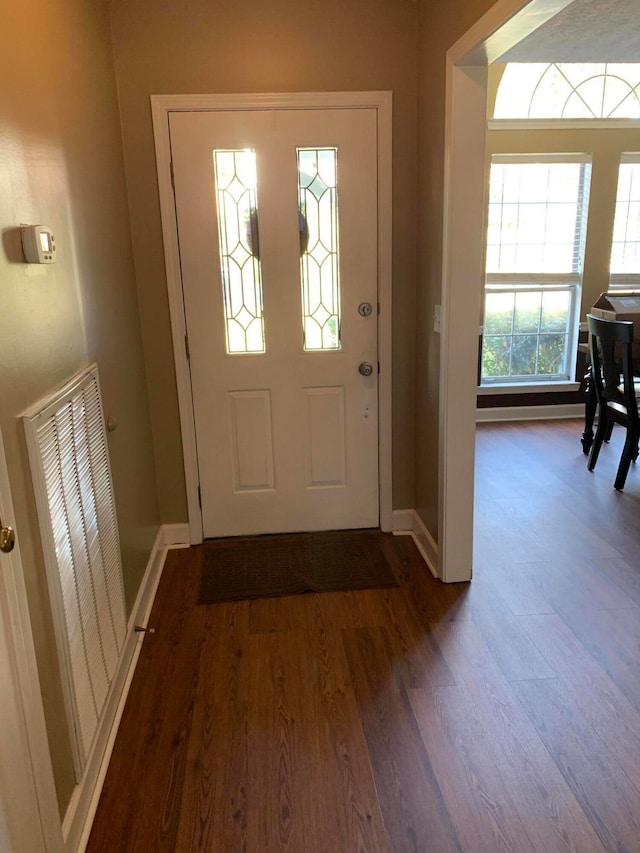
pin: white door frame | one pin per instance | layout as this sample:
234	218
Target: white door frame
161	106
28	805
502	27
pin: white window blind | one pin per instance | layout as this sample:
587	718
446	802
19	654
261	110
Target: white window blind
625	247
69	460
537	215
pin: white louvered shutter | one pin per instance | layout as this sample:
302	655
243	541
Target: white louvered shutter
72	480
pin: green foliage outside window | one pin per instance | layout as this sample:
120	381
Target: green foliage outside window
525	334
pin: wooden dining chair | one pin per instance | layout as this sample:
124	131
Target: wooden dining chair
610	348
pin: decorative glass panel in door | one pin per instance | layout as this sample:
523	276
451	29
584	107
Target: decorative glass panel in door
319	261
235	173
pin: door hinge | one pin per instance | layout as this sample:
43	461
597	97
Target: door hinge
378	367
199	498
186	347
173	179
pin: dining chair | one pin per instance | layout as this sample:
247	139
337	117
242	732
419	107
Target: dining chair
610	348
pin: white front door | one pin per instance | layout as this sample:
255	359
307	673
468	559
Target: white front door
277	227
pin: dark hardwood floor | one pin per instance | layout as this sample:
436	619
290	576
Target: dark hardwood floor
501	715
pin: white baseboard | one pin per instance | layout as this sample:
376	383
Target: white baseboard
176	535
426	544
530	413
78	820
407	522
402	521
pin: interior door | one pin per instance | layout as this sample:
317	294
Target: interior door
277	227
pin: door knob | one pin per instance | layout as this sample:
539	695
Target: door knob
365	368
7	539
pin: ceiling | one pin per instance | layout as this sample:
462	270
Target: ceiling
585	31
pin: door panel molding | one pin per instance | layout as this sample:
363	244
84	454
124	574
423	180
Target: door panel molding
162	106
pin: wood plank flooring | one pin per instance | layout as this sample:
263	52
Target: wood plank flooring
501	715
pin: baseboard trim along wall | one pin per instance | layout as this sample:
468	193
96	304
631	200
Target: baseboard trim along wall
530	413
78	820
407	522
176	535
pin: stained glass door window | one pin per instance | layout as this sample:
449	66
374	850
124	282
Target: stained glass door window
235	173
319	262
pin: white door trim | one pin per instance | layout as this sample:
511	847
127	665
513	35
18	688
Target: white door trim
502	27
30	806
161	106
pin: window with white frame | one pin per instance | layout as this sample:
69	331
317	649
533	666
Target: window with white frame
539	90
535	247
625	247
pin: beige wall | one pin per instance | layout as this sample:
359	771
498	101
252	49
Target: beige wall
61	164
440	26
165	46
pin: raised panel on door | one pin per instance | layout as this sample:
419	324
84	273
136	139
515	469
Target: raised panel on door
326	463
287	430
251	440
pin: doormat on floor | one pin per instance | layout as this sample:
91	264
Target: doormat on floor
292	564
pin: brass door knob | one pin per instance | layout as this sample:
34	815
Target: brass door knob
7	539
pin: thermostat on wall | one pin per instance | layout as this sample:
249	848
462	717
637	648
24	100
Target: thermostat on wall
38	244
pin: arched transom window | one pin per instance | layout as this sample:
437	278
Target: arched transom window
569	91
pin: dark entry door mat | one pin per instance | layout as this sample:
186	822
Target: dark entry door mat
291	564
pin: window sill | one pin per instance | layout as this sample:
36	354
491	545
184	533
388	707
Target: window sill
527	388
